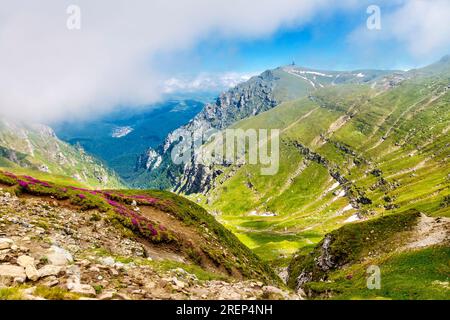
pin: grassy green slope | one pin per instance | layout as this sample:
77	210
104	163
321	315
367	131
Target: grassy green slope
340	268
390	146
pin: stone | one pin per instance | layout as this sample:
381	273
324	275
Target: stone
58	256
178	284
25	261
5	243
121	296
30	270
19	280
39	230
74	270
50	270
270	291
109	295
119	265
94	269
32	273
31	297
113	272
84	262
107	261
180	271
51	282
83	289
11	271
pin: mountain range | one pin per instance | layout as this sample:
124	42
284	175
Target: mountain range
363	176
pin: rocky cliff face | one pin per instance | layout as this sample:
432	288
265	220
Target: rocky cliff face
257	95
248	99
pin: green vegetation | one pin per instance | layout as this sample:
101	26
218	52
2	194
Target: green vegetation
11	293
354	242
55	293
34	150
419	274
400	134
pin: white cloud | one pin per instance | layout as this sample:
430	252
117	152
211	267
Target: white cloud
424	26
421	26
206	82
50	73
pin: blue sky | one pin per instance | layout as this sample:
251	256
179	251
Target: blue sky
324	43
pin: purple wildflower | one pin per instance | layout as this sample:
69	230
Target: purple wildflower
44	184
113	203
152	230
81	196
23	184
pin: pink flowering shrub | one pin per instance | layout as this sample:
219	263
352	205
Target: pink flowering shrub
87	199
23	184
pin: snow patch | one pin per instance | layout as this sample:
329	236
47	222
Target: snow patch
121	132
334	186
352	218
347	208
261	214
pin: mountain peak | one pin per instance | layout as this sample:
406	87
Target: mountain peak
445	59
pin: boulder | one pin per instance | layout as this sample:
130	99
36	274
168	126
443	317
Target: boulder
108	261
121	296
5	243
58	256
272	290
51	281
32	273
50	270
83	289
178	284
10	272
108	295
25	261
30	270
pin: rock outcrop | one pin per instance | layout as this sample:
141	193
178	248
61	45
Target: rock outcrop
247	99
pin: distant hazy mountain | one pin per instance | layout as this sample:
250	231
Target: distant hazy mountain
119	138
